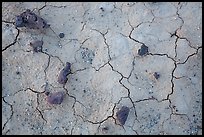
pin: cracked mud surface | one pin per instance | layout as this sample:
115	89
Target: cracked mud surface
101	42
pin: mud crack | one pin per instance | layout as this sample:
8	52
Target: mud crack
11	107
43	7
128	90
15	40
190	56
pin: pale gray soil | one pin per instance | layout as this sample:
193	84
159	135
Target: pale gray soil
101	42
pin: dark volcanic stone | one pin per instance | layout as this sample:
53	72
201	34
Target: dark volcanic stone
122	114
143	50
17	72
61	35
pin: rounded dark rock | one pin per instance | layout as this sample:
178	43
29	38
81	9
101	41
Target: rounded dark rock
156	75
102	9
30	20
61	35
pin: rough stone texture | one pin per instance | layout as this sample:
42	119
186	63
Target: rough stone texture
101	41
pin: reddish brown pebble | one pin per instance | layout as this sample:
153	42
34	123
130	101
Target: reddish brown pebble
156	75
55	98
61	35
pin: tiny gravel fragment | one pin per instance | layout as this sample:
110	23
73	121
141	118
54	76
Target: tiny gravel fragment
47	93
61	35
17	72
156	75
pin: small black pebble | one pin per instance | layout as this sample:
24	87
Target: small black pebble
102	8
61	35
143	50
47	93
156	75
17	72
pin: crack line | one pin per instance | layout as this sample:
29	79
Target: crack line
128	90
15	40
190	56
11	106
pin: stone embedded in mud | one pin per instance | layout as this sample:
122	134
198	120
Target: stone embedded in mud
19	22
30	20
17	72
55	98
61	35
62	78
122	114
156	75
143	50
87	55
37	45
